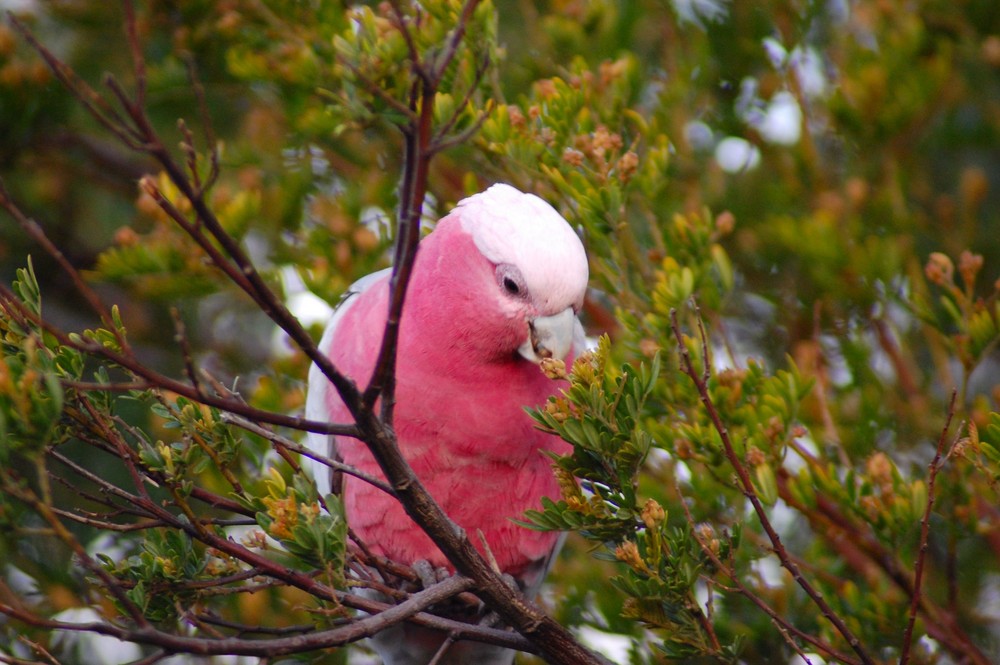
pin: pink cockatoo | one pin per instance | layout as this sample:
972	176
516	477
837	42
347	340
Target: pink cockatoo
495	287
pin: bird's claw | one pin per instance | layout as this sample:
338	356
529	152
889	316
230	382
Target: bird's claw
428	574
509	580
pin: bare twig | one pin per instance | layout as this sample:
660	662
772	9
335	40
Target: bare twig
446	57
37	234
441	141
360	629
138	60
153	378
29	498
862	550
443	649
402	25
180	336
285	442
206	126
104	113
925	531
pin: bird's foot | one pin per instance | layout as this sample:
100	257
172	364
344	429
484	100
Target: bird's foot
428	574
509	580
492	619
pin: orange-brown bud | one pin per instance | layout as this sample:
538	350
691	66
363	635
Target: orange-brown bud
939	269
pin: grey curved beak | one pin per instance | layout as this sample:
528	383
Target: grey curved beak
549	336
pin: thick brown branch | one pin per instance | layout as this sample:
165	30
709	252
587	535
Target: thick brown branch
280	646
552	641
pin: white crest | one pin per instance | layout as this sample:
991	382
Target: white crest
509	226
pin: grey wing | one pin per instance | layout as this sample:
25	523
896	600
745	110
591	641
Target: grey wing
534	575
328	480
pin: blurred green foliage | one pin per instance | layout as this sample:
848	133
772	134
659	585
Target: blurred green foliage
845	270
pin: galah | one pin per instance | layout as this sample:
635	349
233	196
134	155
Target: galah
495	288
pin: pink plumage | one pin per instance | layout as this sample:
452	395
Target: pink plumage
495	285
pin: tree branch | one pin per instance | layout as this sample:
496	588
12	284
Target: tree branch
282	646
134	128
746	484
925	530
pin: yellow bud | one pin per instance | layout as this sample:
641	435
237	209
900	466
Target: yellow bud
879	467
7	41
285	515
628	553
706	534
364	239
309	511
276	481
568	486
553	368
975	186
653	514
558	408
255	540
572	157
683	449
648	347
627	165
990	50
871	506
583	369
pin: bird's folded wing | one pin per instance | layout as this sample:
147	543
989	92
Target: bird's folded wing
317	406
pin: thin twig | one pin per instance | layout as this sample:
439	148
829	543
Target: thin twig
362	628
442	132
925	531
138	60
10	301
443	649
32	228
285	442
207	128
104	113
446	57
29	498
687	366
740	587
180	336
401	23
853	540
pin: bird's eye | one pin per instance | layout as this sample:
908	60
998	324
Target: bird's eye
509	279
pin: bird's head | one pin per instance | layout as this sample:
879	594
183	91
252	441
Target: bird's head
515	264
